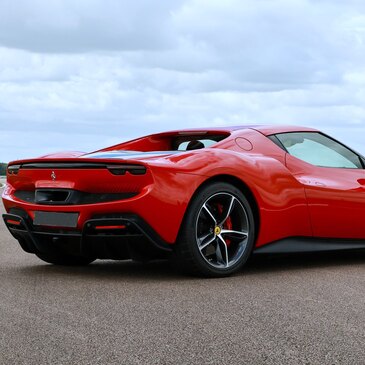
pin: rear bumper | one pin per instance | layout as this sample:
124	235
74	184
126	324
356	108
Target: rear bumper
161	203
118	237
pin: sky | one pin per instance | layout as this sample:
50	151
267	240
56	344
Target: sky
82	75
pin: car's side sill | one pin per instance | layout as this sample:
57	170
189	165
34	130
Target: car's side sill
310	244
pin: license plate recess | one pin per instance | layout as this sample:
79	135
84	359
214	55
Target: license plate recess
55	219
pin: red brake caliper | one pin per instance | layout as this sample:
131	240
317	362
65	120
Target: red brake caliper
227	224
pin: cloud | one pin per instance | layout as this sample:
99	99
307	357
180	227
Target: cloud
87	74
61	26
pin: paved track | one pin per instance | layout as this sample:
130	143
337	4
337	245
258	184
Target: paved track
301	310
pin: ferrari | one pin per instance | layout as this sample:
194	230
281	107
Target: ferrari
206	198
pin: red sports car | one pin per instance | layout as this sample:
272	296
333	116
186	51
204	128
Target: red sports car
206	197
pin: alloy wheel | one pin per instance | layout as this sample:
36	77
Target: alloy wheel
222	230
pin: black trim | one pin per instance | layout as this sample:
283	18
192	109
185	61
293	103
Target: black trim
135	225
28	244
276	140
63	165
69	197
136	236
114	168
310	244
25	195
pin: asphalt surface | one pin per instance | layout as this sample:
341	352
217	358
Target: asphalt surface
280	310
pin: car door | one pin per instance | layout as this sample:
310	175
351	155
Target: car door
333	177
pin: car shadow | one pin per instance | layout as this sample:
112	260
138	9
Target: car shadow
265	263
167	271
108	270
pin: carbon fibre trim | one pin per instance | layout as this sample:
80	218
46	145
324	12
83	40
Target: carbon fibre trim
132	168
132	231
309	244
63	165
69	197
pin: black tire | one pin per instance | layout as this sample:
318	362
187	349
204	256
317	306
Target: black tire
63	259
218	232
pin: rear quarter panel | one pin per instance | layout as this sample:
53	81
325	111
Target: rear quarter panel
280	199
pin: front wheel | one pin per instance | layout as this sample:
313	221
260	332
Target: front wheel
217	235
63	259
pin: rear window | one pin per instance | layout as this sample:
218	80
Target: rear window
187	143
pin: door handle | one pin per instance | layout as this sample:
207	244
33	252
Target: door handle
361	181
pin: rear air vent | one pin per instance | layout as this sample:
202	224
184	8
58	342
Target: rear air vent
52	196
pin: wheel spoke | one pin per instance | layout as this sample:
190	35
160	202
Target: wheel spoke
210	214
218	253
231	203
234	234
221	239
206	240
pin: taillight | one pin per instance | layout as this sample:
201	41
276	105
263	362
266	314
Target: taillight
13	222
13	169
110	227
122	169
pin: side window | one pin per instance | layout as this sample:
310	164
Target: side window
319	150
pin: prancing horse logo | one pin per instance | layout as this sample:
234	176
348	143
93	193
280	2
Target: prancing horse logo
53	176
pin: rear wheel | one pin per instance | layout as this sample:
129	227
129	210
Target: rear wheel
63	259
217	234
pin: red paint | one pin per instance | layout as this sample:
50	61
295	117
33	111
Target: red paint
336	198
293	198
